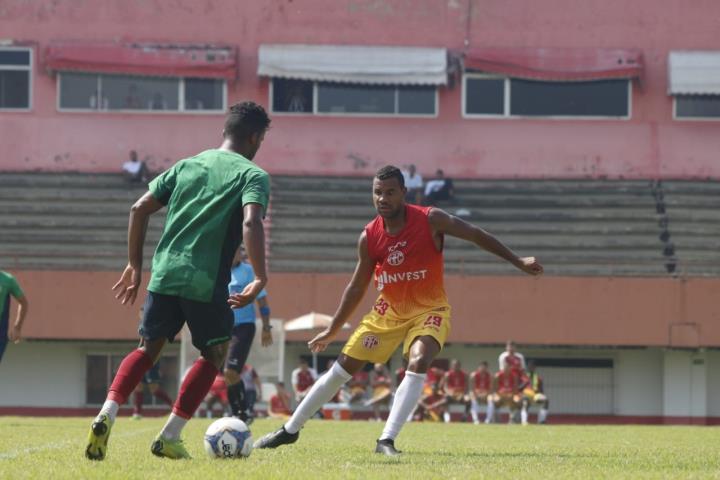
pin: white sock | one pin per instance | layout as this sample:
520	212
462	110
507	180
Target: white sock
524	415
412	414
490	415
110	408
321	392
474	409
173	427
446	417
406	399
542	416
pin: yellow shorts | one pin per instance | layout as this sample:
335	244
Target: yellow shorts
377	337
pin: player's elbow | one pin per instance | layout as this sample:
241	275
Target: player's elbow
252	224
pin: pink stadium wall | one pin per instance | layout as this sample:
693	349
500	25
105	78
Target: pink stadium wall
650	144
659	312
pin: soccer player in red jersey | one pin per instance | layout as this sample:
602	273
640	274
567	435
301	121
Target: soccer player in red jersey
303	377
218	394
402	250
506	390
279	406
454	384
481	381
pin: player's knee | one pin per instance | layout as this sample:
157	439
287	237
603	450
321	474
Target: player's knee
215	355
419	363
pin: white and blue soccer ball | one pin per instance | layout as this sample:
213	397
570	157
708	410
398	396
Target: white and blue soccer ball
228	438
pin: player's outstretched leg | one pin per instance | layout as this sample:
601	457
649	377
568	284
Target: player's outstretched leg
194	388
129	374
321	392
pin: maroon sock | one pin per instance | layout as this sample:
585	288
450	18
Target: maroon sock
137	402
162	395
196	385
131	371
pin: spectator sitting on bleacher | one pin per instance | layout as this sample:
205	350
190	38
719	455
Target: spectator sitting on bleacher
134	170
381	384
279	406
414	185
439	188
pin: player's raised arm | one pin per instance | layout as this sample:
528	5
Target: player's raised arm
126	288
444	223
353	294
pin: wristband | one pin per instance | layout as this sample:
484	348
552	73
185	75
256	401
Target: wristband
267	328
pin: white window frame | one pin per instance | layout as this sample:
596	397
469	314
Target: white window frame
181	99
315	111
28	68
691	119
506	102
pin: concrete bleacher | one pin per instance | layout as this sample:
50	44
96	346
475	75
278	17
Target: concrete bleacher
68	221
576	227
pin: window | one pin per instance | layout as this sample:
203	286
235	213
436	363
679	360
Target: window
101	369
325	98
90	91
697	106
492	96
15	78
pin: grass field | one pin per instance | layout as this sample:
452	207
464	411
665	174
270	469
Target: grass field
52	448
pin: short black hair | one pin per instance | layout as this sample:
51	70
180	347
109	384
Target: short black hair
246	119
389	171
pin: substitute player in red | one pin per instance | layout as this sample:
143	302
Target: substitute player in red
481	381
454	384
214	200
402	250
506	391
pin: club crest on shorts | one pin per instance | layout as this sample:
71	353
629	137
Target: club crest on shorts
370	342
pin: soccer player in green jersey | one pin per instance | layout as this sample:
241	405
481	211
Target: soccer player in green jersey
9	286
215	200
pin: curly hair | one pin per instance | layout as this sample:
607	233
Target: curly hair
246	119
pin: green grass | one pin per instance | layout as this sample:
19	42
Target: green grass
42	448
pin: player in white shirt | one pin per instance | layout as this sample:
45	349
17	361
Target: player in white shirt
516	359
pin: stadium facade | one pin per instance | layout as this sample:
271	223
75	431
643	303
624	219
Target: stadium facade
485	90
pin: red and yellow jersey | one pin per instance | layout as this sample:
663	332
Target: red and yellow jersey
507	382
455	381
408	266
481	381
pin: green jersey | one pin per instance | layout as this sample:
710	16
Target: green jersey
8	286
205	196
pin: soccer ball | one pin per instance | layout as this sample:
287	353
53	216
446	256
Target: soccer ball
228	438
